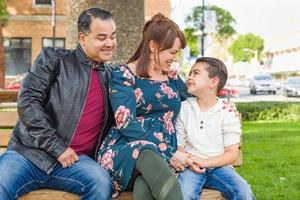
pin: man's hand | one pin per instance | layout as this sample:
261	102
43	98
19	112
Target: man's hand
68	158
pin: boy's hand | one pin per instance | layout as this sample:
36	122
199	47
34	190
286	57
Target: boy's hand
195	168
196	160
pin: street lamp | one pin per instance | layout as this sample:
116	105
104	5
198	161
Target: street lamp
53	21
202	27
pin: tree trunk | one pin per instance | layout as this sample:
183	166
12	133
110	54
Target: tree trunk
129	18
2	67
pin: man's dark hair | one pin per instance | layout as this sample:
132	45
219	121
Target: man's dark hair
86	17
216	68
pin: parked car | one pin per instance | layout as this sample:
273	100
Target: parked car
262	83
224	92
13	85
292	87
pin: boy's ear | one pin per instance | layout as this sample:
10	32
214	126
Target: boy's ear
214	82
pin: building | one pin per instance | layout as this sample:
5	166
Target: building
283	55
29	29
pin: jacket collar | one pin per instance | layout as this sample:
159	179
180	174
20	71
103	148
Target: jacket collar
87	61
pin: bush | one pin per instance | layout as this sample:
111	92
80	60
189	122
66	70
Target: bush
289	111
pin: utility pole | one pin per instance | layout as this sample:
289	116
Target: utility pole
202	27
53	21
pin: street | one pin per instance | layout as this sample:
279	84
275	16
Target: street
245	96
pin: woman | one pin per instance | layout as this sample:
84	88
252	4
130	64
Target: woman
146	96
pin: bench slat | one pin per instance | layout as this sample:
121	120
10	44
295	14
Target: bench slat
46	194
8	119
8	95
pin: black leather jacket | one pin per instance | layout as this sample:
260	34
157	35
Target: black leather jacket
50	104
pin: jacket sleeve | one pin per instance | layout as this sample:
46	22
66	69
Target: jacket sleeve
123	102
33	96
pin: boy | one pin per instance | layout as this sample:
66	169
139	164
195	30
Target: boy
208	136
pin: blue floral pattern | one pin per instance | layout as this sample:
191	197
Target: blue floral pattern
145	111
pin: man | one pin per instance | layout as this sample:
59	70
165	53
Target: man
64	115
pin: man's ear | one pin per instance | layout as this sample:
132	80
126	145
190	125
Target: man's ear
81	38
152	46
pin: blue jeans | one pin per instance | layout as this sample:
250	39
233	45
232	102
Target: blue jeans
86	178
223	179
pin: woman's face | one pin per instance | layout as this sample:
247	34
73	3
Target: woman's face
168	56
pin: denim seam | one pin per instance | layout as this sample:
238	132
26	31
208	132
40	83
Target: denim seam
71	180
34	181
6	190
224	183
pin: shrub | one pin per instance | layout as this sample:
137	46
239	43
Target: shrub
289	111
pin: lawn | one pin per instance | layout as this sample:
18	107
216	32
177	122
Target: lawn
271	159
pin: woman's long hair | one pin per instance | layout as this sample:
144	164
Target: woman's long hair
163	32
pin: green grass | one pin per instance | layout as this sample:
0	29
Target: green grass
271	159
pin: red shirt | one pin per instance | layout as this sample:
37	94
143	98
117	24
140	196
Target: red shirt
88	129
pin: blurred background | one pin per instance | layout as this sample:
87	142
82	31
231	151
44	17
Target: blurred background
259	41
251	37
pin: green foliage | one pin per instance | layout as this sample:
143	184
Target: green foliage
271	159
270	111
224	26
192	41
244	47
3	12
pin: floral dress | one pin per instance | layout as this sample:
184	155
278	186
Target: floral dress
145	111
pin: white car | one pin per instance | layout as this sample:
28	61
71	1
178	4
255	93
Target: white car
292	87
262	83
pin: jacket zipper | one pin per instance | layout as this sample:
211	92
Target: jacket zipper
104	93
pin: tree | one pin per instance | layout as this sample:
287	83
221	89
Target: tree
129	18
3	20
246	47
224	25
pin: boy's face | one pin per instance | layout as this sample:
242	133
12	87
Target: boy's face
198	81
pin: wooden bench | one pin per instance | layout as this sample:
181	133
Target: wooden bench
8	95
47	194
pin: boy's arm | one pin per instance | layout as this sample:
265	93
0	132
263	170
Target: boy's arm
229	156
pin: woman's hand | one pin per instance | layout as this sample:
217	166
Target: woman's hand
176	164
179	160
231	107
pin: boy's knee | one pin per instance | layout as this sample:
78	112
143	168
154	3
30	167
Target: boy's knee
243	192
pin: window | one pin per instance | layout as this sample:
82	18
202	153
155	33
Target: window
42	2
59	42
17	55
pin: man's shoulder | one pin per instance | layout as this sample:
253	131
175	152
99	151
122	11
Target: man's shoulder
55	52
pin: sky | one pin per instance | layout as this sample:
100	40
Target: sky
266	18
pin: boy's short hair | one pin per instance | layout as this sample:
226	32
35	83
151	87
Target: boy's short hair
216	68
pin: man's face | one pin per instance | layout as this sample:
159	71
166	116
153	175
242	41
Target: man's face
100	42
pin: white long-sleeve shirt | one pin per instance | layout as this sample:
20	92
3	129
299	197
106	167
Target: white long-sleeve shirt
206	134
